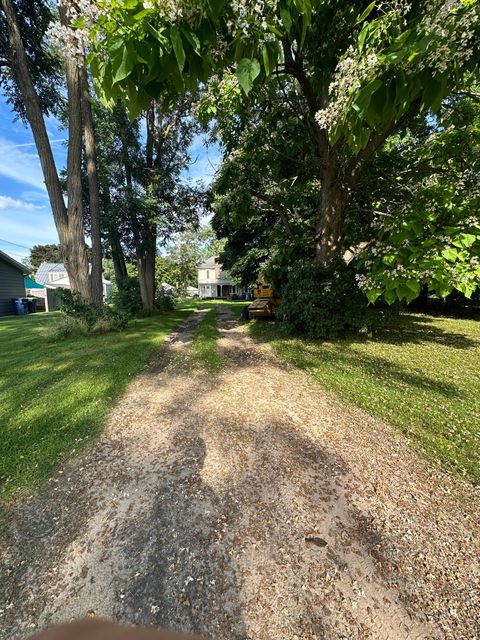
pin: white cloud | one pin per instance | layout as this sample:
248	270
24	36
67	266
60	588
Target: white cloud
32	144
12	203
20	165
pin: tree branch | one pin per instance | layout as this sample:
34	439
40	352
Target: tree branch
376	140
294	67
275	205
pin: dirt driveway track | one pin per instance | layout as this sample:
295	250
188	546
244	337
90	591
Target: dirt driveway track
245	505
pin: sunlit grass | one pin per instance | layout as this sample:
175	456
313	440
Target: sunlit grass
56	396
421	374
204	344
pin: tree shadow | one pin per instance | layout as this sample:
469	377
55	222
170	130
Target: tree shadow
185	578
345	359
416	329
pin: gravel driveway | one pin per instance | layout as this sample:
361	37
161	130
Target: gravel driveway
245	505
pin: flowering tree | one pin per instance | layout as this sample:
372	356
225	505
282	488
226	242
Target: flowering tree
360	71
429	236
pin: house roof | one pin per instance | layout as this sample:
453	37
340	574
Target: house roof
18	265
46	267
209	263
31	284
43	270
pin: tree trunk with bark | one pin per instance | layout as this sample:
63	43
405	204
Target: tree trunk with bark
146	246
69	223
93	191
118	258
146	268
75	253
328	231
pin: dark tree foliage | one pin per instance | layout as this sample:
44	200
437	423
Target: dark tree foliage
44	253
44	65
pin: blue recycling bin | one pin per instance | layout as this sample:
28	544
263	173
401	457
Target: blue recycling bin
18	307
31	305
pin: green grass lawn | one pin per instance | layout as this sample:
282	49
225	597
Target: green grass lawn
55	396
421	373
204	344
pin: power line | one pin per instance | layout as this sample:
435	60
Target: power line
15	244
13	253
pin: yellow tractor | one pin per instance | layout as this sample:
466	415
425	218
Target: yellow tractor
265	303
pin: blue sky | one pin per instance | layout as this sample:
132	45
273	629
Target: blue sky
25	215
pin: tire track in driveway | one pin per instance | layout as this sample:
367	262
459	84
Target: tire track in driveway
197	509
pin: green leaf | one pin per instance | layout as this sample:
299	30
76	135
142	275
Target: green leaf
468	239
390	296
373	295
389	260
266	61
216	8
450	254
366	13
363	98
247	71
123	64
193	39
176	40
414	287
444	290
286	19
433	93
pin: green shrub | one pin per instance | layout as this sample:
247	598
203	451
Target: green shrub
111	320
67	327
164	302
75	307
82	317
322	303
126	296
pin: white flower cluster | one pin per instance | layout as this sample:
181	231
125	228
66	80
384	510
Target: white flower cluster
453	23
351	72
365	283
245	13
73	41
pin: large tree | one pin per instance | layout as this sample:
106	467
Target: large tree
145	201
29	64
358	70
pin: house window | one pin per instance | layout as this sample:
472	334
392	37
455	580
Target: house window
208	274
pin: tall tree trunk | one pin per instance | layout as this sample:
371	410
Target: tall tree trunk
146	268
93	191
331	214
35	119
75	253
328	231
70	230
147	243
118	258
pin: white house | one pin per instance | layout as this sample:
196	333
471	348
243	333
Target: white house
54	274
215	283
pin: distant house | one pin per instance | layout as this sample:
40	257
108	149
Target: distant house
54	275
215	283
12	285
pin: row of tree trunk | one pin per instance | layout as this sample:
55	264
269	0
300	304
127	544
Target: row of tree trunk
69	218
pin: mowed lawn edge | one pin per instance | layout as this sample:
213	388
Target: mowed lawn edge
421	374
55	396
